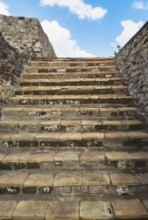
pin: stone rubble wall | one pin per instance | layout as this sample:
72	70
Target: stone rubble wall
11	65
21	39
26	35
132	60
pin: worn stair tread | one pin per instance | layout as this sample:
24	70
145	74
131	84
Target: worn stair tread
72	136
73	209
65	67
70	108
72	66
56	88
69	122
70	178
92	175
69	155
75	97
80	75
72	80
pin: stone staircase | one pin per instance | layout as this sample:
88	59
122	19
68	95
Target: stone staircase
72	145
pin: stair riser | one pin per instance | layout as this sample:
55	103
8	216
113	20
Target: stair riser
72	70
44	101
71	64
86	75
59	115
108	166
119	144
78	191
73	83
68	128
72	92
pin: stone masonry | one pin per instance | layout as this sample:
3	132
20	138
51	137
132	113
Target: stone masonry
21	39
11	66
132	60
72	146
26	35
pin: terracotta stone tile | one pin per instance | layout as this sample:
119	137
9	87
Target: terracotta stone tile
145	202
30	210
117	155
7	208
12	109
132	122
29	123
2	156
40	157
48	137
140	155
63	210
67	156
13	179
137	134
129	209
23	137
8	123
95	179
92	156
5	137
16	157
124	179
68	179
71	123
91	123
70	136
108	109
143	178
50	123
128	109
116	135
93	135
96	210
39	180
112	122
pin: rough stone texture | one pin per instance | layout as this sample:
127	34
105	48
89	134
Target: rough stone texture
28	37
11	66
21	39
132	60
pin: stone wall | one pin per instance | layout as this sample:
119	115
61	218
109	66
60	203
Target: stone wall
26	35
11	65
21	39
132	60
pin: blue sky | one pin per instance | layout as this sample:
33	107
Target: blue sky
83	27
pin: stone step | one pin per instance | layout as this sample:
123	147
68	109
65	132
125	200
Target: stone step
47	90
45	74
74	209
71	81
38	126
104	140
73	183
70	99
62	139
65	68
74	59
76	160
71	62
74	112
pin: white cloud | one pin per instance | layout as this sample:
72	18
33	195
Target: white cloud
78	7
130	28
140	5
62	41
4	9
